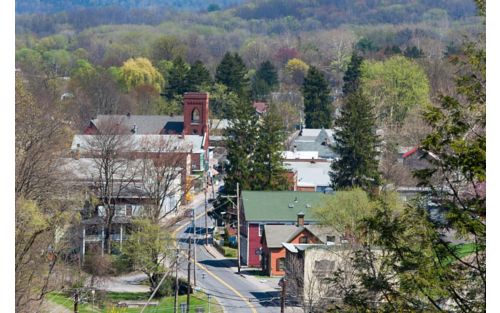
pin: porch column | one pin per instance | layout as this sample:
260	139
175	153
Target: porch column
102	240
83	245
121	236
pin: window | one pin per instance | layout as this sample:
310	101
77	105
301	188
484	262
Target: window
195	116
129	210
280	264
330	238
303	239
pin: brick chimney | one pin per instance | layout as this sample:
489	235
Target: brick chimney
300	218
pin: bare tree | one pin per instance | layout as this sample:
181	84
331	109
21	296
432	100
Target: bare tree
43	203
162	168
114	169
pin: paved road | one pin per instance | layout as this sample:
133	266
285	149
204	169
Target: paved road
219	277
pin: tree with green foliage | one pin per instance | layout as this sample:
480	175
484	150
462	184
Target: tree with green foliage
233	73
355	144
83	72
269	173
29	60
397	85
343	210
317	101
167	48
424	268
198	77
265	80
140	71
147	247
355	138
296	70
353	74
177	78
241	139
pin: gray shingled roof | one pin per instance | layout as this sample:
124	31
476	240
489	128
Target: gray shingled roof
145	124
150	143
316	140
277	234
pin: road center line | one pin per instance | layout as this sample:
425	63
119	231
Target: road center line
252	308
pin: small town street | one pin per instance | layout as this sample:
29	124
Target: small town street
217	276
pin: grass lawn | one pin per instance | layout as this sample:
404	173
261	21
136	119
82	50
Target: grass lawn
230	252
166	304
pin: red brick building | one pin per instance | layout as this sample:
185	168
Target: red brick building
260	208
273	252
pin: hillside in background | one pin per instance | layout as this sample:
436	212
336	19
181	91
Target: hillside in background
337	12
52	6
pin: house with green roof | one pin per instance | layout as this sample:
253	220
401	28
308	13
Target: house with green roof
261	208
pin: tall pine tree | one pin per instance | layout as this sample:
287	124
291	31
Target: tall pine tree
241	139
177	74
198	77
265	80
269	172
352	75
233	73
355	137
317	101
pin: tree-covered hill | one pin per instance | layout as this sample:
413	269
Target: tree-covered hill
337	12
52	6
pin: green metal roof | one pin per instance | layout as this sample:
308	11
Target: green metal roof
279	206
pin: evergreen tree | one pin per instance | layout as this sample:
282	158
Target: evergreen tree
265	80
232	72
198	77
241	138
269	172
356	145
352	75
317	102
177	78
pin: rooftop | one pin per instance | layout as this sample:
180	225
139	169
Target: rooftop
145	124
310	174
147	143
279	206
276	235
320	140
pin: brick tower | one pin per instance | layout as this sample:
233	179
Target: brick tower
196	113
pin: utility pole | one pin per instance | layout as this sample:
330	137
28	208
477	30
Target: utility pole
93	299
283	294
194	248
206	217
75	304
189	276
238	221
208	295
176	280
238	228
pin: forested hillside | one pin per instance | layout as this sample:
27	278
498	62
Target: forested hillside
51	6
93	39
